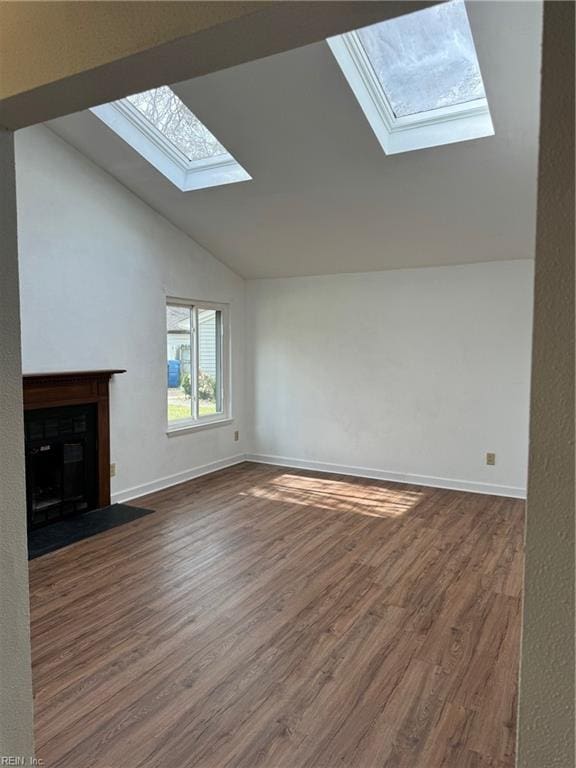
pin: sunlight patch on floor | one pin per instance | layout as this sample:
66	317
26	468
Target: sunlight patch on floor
338	495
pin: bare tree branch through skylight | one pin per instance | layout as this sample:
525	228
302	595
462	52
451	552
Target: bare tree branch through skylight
169	114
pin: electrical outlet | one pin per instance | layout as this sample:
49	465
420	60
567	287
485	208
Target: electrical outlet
112	470
236	436
490	459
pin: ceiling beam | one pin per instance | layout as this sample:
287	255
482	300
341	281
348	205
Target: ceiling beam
62	57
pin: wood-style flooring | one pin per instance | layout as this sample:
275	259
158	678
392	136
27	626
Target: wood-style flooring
275	618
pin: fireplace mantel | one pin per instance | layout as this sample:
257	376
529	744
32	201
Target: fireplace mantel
59	388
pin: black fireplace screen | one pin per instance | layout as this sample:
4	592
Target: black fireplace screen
61	462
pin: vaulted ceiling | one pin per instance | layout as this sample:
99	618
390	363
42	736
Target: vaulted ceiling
324	197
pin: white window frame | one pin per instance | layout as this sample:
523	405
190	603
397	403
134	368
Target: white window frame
432	128
130	124
196	421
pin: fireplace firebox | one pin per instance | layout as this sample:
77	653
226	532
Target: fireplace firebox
67	444
61	462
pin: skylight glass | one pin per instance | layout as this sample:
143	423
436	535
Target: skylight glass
162	129
417	78
425	60
169	115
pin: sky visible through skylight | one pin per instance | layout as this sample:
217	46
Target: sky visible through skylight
425	60
177	123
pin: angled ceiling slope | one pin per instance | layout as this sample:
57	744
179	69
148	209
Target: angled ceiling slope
324	198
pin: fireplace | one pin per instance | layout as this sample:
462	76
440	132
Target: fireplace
61	462
67	444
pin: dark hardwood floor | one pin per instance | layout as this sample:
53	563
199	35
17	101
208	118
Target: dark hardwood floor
273	618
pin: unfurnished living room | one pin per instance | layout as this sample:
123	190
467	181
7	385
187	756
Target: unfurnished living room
286	344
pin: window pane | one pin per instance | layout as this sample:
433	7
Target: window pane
179	368
209	362
177	123
425	60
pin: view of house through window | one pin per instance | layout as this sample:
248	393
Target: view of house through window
195	381
209	356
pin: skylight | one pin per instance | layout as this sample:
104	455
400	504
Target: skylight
177	123
162	129
425	60
417	78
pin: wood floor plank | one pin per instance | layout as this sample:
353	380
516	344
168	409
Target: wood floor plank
273	618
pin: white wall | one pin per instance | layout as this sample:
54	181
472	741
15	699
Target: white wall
96	264
409	374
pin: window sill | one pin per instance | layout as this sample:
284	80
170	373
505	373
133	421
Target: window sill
198	426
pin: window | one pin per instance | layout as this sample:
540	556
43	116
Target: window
161	128
197	343
417	78
166	112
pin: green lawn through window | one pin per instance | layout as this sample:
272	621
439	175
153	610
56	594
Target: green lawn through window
176	412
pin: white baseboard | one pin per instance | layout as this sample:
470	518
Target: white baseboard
317	466
179	477
395	477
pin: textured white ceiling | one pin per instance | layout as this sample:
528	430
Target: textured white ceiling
324	197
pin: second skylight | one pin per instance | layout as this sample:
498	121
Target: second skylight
425	60
417	78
